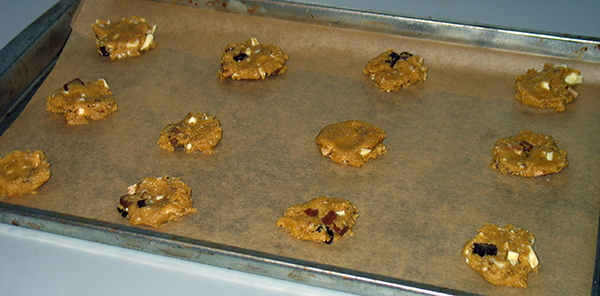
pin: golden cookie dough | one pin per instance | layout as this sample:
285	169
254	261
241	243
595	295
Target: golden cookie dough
22	173
551	87
198	131
252	60
502	255
79	101
320	220
125	38
351	142
529	155
392	71
155	201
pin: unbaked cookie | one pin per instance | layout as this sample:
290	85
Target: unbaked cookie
197	131
551	87
155	201
79	101
22	173
502	255
529	155
125	38
351	142
392	71
252	60
321	220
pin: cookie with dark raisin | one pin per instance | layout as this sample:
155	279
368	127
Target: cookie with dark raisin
155	201
502	255
23	172
125	38
252	60
79	101
528	154
321	220
197	131
551	87
393	71
351	142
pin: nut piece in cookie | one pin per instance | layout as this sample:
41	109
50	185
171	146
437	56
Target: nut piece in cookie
551	87
351	142
502	255
392	71
252	60
125	38
155	201
80	101
320	220
529	155
198	131
22	173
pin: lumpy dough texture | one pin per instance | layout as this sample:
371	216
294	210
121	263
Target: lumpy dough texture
392	71
529	155
252	60
551	87
155	201
22	173
351	142
502	255
198	131
80	101
320	220
125	38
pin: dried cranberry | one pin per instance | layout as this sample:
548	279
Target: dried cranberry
485	249
103	51
330	235
526	146
240	57
122	212
124	201
312	212
141	203
328	219
174	142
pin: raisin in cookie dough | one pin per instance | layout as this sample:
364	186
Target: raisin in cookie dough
80	101
392	71
125	38
351	142
197	131
155	201
529	155
22	172
551	87
320	220
502	255
252	60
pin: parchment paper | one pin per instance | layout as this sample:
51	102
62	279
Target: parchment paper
419	203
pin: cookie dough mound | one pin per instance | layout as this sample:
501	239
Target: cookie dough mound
529	155
551	87
252	60
502	255
155	201
80	101
198	131
125	38
22	173
392	71
351	142
320	220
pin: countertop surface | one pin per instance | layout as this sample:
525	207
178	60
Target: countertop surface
39	263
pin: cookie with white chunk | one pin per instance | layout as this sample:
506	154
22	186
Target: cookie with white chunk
320	220
393	71
252	60
502	255
23	172
551	87
351	142
125	38
528	154
79	101
197	131
155	201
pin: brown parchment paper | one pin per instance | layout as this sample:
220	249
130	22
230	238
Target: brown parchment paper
419	203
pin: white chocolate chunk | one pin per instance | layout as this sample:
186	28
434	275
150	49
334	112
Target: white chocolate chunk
545	84
513	257
364	151
188	146
104	82
253	41
341	213
248	51
550	156
533	259
573	79
192	120
498	263
153	30
133	44
81	111
147	42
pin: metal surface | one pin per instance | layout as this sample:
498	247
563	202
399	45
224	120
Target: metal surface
26	61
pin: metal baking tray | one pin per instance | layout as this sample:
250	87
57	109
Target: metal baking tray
28	59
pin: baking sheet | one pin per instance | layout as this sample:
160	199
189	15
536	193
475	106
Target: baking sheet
419	203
